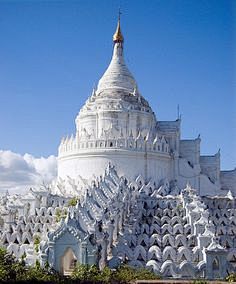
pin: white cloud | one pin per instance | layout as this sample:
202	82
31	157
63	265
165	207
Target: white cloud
18	173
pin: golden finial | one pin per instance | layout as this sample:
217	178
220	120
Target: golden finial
118	37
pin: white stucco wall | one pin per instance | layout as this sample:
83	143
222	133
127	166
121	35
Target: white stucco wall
154	166
190	150
228	180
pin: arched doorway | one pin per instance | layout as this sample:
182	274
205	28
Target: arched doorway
68	262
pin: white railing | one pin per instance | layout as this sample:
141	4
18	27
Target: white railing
71	146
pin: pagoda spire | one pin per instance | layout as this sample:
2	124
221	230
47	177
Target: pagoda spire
118	37
117	75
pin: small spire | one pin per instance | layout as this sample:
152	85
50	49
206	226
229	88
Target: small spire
178	114
118	37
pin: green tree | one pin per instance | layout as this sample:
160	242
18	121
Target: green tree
231	277
80	272
73	201
126	274
91	273
106	275
39	274
12	270
60	214
36	243
7	266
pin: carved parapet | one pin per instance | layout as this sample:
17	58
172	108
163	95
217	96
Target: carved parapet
71	146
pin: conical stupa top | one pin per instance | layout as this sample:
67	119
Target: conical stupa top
117	75
118	37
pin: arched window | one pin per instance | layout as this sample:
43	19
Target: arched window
215	264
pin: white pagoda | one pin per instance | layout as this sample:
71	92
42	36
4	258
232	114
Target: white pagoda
128	190
117	125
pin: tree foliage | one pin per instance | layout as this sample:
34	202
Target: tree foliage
7	266
126	274
12	270
123	274
60	214
36	243
73	201
231	278
91	273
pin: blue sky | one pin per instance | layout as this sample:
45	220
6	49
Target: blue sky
180	52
